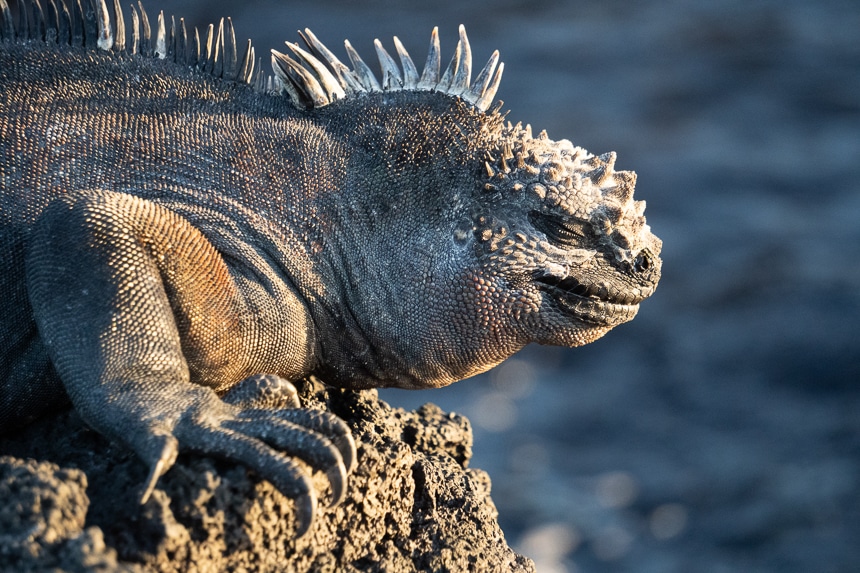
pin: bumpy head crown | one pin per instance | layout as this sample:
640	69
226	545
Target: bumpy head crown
568	180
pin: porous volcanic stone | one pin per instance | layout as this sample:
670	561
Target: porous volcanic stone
69	503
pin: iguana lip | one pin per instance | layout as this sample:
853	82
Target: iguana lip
593	303
598	293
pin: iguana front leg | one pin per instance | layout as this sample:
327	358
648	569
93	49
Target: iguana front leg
143	323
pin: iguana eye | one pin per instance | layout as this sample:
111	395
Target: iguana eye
561	231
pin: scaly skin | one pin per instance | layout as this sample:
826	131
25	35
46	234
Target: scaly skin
176	247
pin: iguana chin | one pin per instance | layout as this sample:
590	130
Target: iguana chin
183	234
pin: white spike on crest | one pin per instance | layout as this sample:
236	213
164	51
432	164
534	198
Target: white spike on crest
210	38
119	39
230	53
462	77
430	75
485	100
135	30
216	66
145	30
328	82
196	48
105	41
182	43
246	69
9	25
410	72
483	80
451	70
362	72
391	78
161	38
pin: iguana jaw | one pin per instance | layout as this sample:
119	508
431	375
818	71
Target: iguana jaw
571	288
593	304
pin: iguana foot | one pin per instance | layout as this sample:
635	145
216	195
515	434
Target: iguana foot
270	441
271	392
125	339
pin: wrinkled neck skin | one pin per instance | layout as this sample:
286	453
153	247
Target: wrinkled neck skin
388	262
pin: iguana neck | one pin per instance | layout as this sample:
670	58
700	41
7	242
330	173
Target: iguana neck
409	162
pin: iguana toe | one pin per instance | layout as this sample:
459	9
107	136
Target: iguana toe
263	391
286	474
329	425
307	444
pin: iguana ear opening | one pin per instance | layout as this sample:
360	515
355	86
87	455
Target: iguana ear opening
318	78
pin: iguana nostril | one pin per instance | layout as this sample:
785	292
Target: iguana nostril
643	261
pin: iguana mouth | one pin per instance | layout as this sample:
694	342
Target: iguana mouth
591	302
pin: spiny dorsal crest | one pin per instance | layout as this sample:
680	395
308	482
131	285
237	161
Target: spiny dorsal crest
311	79
319	78
89	23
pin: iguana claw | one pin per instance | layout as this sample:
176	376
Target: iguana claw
305	509
337	479
345	444
165	460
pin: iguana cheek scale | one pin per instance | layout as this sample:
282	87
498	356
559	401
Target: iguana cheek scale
183	234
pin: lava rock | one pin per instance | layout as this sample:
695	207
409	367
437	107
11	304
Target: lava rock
70	502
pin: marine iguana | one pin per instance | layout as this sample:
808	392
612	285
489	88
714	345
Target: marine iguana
183	234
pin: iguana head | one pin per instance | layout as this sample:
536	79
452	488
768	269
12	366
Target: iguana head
562	225
470	238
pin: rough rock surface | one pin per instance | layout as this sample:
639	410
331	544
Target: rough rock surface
69	502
